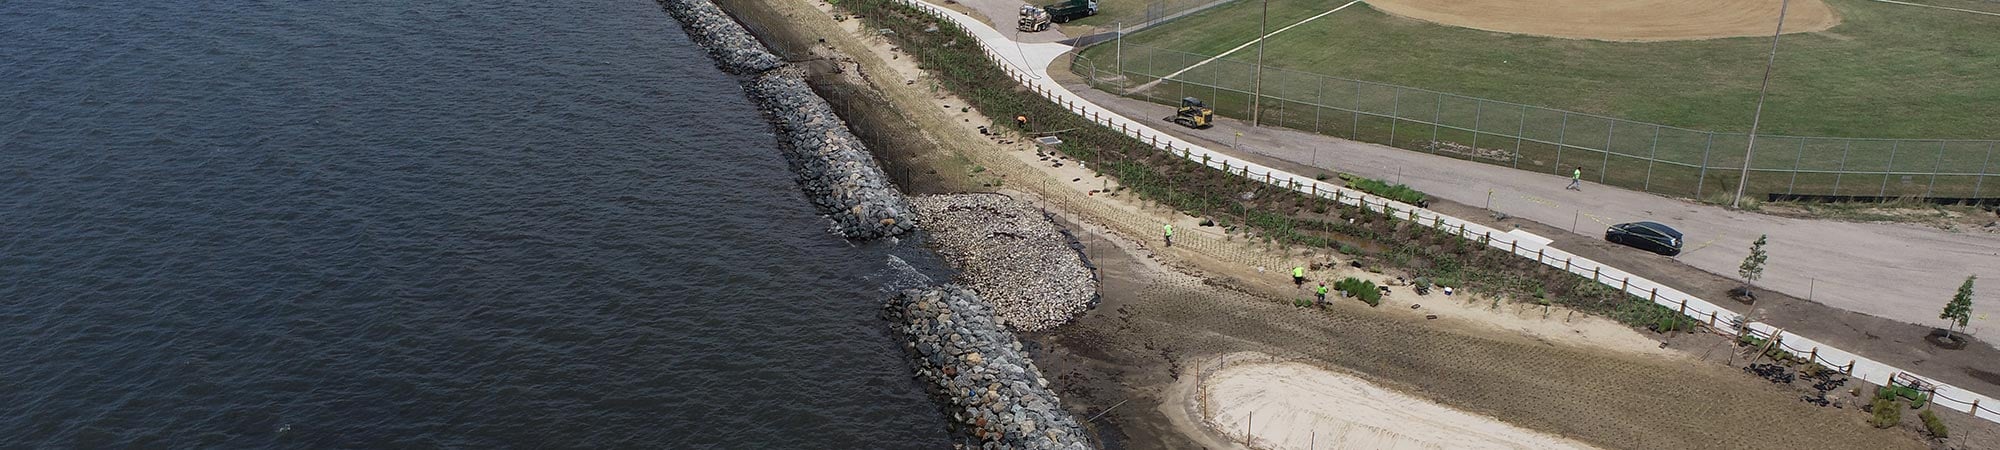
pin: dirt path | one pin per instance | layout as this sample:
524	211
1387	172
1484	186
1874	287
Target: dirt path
1627	20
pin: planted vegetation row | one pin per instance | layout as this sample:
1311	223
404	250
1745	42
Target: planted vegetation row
1270	213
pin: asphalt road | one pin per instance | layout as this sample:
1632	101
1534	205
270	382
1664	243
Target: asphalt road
1896	271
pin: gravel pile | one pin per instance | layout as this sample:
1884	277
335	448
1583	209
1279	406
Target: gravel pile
834	168
993	392
1013	255
726	41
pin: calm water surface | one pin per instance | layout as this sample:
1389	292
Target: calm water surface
446	223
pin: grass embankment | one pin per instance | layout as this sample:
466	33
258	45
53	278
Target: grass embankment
1271	213
1888	71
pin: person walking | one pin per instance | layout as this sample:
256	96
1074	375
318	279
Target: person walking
1299	276
1170	234
1320	294
1576	179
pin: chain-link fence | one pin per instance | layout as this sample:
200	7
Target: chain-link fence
1156	11
1635	155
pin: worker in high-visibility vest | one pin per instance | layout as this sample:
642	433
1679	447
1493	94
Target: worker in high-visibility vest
1170	234
1320	293
1299	276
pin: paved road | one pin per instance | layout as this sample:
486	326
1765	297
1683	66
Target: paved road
1896	271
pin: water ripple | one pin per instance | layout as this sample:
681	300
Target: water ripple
388	224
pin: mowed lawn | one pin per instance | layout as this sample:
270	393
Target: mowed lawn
1888	71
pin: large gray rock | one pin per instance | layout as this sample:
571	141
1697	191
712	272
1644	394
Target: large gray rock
834	168
991	397
726	41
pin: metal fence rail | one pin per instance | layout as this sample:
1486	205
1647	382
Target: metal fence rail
1636	155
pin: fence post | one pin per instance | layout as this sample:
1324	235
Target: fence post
1814	357
1850	368
1518	133
1354	132
1596	272
1437	115
1886	170
1606	165
1842	171
1539	254
1652	156
1703	177
1319	96
1654	296
1566	262
1478	108
1395	114
1711	319
1934	170
1514	246
1802	156
1626	286
1561	132
1982	170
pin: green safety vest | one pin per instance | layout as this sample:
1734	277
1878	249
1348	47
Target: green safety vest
1577	175
1322	289
1299	272
1170	230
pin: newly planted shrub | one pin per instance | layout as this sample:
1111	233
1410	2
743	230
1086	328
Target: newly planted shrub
1887	412
1932	424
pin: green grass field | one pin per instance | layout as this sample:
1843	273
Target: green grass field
1888	71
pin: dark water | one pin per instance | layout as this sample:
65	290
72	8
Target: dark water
448	223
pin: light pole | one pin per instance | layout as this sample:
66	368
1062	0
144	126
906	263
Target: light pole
1257	91
1759	116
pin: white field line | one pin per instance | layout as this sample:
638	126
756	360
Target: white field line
1940	7
1719	318
1241	47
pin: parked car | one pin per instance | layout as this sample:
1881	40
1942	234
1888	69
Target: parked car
1649	236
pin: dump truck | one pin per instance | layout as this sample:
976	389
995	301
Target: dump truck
1068	10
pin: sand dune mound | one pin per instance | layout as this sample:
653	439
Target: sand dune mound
1619	20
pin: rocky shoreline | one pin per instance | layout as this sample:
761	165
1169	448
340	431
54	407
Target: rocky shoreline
834	168
1013	255
994	393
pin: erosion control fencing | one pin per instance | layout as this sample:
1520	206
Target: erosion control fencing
1635	155
1519	245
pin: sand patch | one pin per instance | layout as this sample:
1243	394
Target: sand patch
1292	405
1619	20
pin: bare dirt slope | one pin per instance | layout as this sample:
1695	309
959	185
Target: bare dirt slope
1619	20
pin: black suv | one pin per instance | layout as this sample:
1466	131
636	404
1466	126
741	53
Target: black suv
1650	236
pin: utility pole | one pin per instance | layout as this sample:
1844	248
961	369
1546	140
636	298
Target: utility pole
1759	116
1118	51
1257	92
